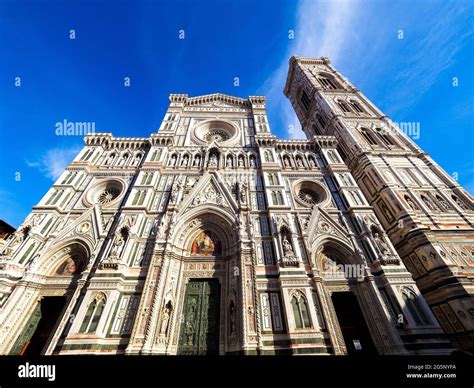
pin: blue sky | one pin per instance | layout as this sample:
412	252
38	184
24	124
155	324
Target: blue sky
410	79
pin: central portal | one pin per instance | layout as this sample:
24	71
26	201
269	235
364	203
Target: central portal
199	333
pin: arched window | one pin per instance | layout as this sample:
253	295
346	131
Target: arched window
305	100
327	82
459	202
157	154
413	304
356	106
274	198
268	156
274	179
368	136
300	311
344	107
386	138
93	314
280	198
87	155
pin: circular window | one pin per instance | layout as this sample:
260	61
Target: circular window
104	192
215	130
108	195
308	196
217	135
309	193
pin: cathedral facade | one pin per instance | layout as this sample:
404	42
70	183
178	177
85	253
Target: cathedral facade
213	236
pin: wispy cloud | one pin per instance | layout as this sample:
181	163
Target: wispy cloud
53	162
433	52
321	29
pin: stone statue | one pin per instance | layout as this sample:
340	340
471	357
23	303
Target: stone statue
243	192
173	160
165	318
213	160
287	248
381	244
118	242
412	204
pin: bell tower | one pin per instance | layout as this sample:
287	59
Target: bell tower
427	215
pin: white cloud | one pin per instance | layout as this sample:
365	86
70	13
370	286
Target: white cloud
432	54
321	30
54	161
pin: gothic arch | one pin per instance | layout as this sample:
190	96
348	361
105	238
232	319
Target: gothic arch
217	218
50	263
335	245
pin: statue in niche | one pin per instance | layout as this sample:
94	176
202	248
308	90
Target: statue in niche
166	314
241	161
252	161
118	242
459	203
286	162
243	192
287	248
229	162
173	160
381	244
412	204
176	189
299	162
443	203
311	162
213	160
429	203
197	160
184	162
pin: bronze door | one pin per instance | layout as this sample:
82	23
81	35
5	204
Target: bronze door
199	332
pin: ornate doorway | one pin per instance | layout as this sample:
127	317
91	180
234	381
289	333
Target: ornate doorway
199	334
39	327
352	323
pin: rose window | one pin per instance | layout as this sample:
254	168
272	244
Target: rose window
104	192
223	132
108	195
309	193
216	135
308	196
